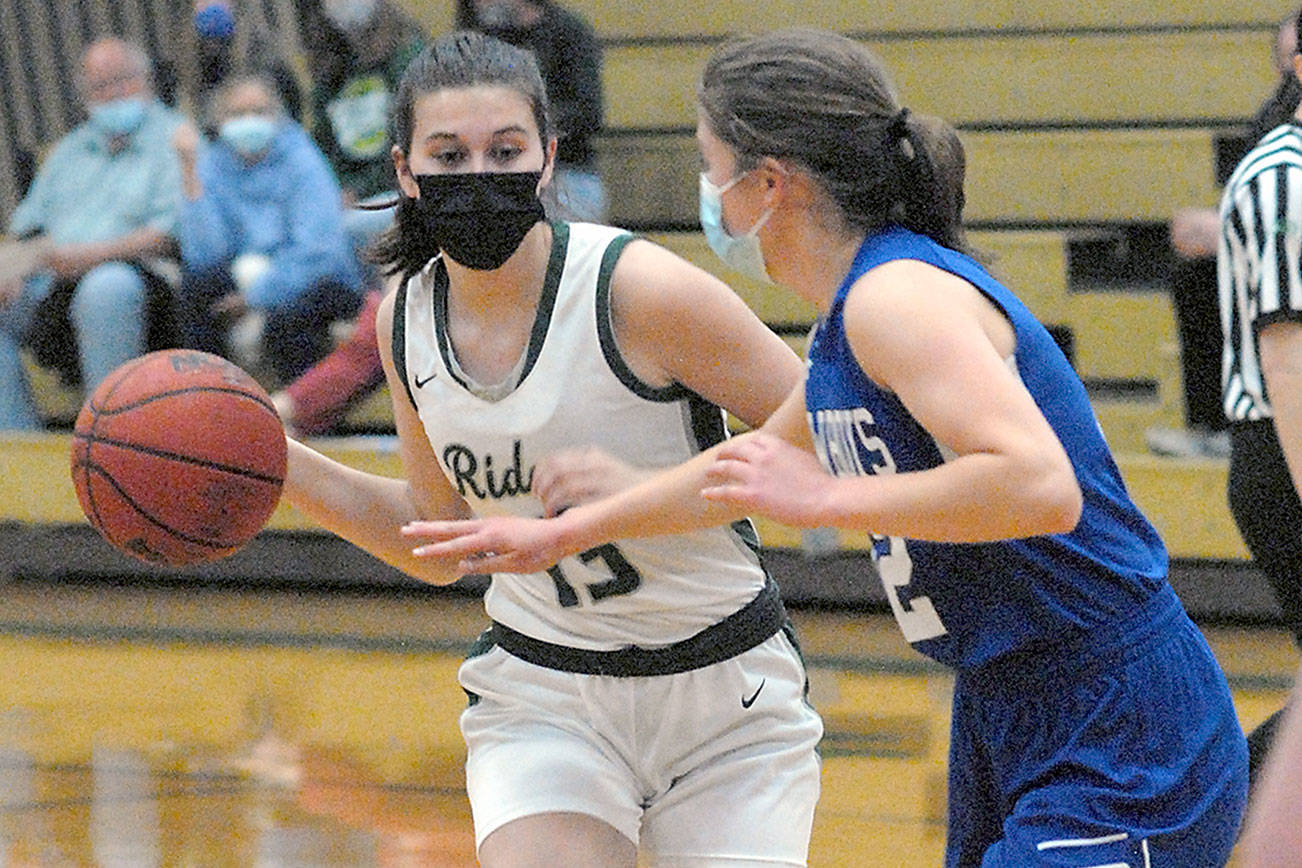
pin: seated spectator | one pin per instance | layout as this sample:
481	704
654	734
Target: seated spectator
221	40
263	248
88	289
317	401
569	57
356	53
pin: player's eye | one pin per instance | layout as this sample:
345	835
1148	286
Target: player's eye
505	153
449	157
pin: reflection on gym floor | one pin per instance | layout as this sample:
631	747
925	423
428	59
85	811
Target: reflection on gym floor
152	727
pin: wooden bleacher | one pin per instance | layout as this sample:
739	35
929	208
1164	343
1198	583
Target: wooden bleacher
679	19
1015	79
1076	118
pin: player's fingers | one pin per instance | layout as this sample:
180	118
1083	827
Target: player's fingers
734	494
544	481
554	506
733	450
747	447
727	470
472	545
441	530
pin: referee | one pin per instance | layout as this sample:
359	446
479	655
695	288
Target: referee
1260	279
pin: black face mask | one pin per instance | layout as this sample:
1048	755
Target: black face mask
478	220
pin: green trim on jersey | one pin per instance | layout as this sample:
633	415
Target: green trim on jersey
542	318
606	333
398	343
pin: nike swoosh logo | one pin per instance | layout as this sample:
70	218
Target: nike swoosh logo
747	703
420	384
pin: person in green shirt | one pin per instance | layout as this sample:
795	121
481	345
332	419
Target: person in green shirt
356	53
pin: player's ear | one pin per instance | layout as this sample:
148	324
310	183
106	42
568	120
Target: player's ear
402	168
549	164
775	177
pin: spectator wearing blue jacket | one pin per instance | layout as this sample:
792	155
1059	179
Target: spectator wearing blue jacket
267	267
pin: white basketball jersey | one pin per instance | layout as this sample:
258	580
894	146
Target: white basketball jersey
573	390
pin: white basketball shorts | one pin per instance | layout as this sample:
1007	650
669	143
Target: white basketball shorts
715	765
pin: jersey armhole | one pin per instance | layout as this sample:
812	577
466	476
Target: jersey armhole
399	341
606	332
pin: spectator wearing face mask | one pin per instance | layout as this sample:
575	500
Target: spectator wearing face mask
267	269
356	53
569	57
219	39
83	283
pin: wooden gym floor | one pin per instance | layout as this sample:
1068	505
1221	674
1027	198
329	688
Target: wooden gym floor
145	726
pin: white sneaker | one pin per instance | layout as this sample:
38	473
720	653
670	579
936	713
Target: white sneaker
245	340
1188	442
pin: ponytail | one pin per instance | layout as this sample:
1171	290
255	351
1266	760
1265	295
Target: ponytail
933	167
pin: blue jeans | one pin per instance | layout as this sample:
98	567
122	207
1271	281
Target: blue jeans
296	335
108	321
363	226
580	196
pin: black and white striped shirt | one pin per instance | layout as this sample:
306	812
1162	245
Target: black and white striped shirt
1258	268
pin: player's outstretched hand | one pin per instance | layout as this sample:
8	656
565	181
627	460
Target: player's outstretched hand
574	476
766	475
505	544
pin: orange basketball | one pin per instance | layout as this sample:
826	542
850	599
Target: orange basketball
178	457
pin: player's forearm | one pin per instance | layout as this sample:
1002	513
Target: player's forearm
668	502
365	509
976	498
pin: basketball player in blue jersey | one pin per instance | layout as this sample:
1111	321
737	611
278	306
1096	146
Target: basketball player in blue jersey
1091	724
641	702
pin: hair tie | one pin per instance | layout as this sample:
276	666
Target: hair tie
899	125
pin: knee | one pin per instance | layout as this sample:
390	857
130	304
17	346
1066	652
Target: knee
109	292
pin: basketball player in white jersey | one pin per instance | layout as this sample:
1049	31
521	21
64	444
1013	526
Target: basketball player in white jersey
642	699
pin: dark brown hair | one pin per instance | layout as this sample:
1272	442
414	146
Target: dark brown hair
827	103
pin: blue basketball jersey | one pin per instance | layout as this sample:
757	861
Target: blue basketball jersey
965	604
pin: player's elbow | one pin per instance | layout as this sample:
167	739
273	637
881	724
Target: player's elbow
1060	500
429	571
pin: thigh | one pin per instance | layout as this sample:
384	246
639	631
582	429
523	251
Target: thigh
557	841
109	300
976	807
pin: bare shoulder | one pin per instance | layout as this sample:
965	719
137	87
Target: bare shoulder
902	313
676	322
650	280
384	316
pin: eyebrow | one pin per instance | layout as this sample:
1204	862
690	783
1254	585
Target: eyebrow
514	128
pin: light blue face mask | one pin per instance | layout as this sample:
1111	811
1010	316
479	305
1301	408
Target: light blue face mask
741	252
248	135
119	117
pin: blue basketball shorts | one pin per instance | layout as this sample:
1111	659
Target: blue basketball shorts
1120	750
